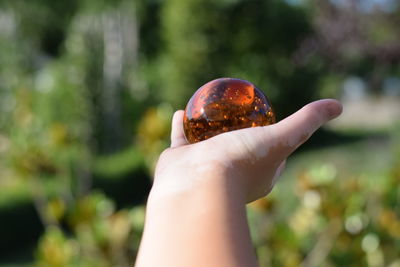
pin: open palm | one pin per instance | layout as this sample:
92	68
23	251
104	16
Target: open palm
252	158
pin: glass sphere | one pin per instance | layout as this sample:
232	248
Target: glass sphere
224	105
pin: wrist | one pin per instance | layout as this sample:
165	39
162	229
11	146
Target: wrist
206	184
192	208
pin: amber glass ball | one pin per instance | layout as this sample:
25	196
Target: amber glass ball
224	105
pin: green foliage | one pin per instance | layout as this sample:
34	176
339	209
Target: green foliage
101	235
120	163
253	40
333	216
87	92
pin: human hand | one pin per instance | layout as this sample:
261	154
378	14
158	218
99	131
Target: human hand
245	162
196	212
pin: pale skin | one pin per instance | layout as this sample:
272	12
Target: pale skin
196	209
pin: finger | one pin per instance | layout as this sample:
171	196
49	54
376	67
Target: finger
177	134
297	128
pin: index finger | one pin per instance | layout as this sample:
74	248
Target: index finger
297	128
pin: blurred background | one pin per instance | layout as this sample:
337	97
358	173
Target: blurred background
88	88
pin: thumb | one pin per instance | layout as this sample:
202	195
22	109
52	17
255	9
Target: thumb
177	134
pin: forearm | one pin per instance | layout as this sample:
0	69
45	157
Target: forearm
206	226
